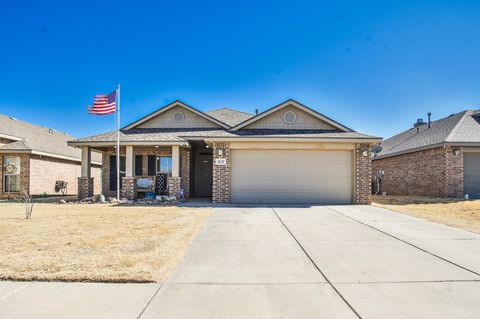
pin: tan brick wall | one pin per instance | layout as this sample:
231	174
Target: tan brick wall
363	174
221	174
434	172
45	171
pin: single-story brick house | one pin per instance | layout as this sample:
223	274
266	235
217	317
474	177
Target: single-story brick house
287	154
39	156
441	158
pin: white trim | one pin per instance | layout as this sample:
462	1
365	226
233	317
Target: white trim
68	158
170	106
297	105
133	143
10	137
292	139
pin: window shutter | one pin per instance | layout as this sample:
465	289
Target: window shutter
152	165
113	173
138	165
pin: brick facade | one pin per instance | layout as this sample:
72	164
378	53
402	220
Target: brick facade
221	173
174	185
363	174
436	172
85	187
185	171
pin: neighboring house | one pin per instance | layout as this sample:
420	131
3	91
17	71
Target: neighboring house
41	157
437	159
287	154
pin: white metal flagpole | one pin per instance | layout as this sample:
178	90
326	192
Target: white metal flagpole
118	141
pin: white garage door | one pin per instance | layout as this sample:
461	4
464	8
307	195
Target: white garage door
292	176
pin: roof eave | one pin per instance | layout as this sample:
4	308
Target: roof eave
125	143
293	139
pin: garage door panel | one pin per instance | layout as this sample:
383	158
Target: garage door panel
300	176
471	170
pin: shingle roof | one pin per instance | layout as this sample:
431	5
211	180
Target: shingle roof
462	127
179	135
230	116
38	138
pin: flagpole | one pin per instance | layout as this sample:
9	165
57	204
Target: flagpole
118	141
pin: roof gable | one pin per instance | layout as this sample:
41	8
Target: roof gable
306	118
164	118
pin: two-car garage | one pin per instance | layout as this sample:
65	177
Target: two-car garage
292	176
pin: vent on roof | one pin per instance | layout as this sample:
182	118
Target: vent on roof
419	122
12	118
51	130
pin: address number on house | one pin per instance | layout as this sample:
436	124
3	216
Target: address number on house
221	161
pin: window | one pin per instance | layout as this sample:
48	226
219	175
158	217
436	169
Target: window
164	164
11	174
113	171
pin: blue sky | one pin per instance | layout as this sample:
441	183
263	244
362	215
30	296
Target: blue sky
375	66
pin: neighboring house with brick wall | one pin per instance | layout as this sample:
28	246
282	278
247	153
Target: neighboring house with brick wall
40	156
287	154
437	159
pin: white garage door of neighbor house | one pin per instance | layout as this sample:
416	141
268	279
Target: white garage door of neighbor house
292	176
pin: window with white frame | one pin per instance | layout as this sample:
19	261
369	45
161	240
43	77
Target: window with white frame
11	174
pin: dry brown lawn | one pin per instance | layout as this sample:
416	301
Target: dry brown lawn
95	242
453	212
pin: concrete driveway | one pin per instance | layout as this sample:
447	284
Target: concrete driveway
289	262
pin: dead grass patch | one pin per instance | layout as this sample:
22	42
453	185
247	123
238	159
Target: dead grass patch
104	243
449	211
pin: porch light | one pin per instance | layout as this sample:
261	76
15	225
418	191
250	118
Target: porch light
208	146
156	146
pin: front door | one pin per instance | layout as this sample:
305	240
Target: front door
204	175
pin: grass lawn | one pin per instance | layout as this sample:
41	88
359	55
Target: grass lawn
105	243
449	211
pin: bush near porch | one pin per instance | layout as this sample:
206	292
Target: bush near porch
104	243
454	212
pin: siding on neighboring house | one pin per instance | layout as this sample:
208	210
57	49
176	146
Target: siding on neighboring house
436	172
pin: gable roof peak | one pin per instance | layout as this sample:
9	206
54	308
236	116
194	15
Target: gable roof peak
300	106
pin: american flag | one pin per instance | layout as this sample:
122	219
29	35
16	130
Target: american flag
104	104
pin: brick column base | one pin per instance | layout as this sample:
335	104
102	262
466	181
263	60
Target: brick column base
129	188
174	185
85	187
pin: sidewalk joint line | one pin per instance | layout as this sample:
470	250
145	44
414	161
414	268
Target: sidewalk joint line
147	303
316	266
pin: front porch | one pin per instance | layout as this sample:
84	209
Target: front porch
183	170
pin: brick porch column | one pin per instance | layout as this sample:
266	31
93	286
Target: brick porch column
85	182
363	174
129	188
85	187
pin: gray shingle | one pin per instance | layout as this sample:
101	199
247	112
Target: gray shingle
38	138
230	117
170	135
456	128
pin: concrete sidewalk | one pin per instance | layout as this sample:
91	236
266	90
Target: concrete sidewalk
288	262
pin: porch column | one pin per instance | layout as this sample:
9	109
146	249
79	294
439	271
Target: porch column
176	161
85	181
129	162
175	181
86	161
129	186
